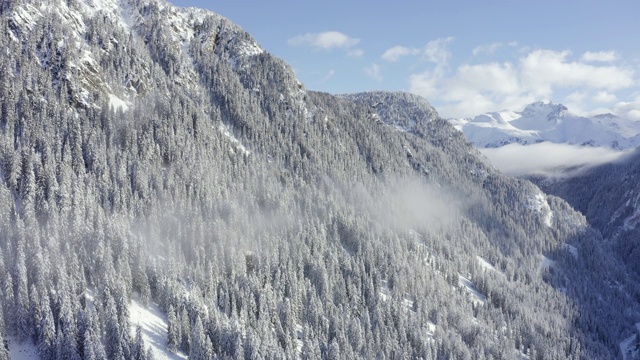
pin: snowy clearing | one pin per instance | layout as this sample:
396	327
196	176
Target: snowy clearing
485	264
234	140
476	296
21	350
118	104
154	329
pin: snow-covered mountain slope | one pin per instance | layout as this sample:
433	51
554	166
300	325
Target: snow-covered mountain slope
92	29
157	153
609	196
405	111
550	122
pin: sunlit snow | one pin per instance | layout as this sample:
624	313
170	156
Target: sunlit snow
539	204
154	329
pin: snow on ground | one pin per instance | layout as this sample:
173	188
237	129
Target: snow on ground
539	204
476	296
407	304
485	264
299	339
154	329
249	48
385	293
117	103
21	350
153	323
431	329
629	347
234	140
111	7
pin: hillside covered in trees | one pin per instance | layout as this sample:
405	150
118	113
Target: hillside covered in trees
155	153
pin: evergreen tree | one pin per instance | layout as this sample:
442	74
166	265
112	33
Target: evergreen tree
200	347
46	342
138	351
173	334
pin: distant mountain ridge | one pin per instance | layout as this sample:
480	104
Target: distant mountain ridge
547	121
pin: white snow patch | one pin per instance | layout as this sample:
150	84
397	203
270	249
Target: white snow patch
235	141
539	204
299	338
21	350
110	7
385	293
244	49
117	103
431	329
247	48
407	304
476	296
154	329
485	264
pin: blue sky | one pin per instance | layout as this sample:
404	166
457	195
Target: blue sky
465	57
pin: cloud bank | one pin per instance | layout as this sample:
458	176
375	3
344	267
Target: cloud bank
327	41
469	89
550	159
537	75
600	56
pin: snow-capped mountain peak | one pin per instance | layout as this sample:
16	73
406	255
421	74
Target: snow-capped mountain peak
548	121
543	108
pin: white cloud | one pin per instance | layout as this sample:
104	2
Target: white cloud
544	69
355	52
373	71
328	76
395	53
550	159
437	51
576	102
486	49
629	110
470	90
328	40
426	84
604	97
600	56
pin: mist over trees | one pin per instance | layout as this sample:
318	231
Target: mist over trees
266	220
